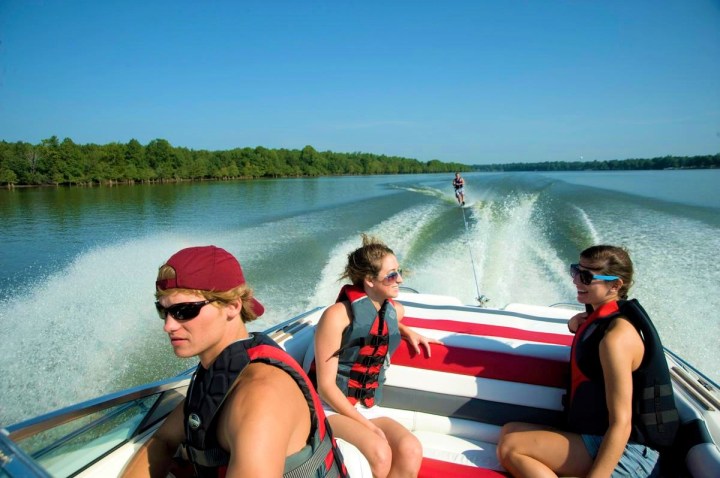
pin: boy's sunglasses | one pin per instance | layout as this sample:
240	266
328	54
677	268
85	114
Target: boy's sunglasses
392	277
182	310
586	276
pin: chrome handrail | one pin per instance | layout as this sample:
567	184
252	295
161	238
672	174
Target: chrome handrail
405	288
35	425
568	305
290	322
14	462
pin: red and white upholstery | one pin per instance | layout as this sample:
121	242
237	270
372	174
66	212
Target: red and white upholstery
493	367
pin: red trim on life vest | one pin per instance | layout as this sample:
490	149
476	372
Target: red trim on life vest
353	294
485	364
432	468
576	376
471	328
604	310
330	458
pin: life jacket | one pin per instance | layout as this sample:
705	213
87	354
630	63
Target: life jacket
457	183
655	419
208	391
367	342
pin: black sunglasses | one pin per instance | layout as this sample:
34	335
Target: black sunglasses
586	276
182	310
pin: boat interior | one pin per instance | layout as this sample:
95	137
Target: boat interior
494	366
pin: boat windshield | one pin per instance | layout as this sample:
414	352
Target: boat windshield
66	442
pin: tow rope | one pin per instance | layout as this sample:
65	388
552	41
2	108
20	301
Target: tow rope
481	299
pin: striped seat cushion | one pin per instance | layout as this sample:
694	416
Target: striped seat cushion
489	370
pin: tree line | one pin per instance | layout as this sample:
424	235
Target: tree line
665	162
65	163
55	162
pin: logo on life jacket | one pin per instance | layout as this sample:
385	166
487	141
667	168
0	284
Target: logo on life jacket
194	421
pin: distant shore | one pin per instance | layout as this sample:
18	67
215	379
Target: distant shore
63	163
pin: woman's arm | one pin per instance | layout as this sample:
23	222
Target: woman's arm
621	352
328	337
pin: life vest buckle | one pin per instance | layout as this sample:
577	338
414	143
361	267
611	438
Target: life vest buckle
364	378
371	360
361	393
377	340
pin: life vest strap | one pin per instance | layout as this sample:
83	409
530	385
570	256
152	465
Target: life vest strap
659	419
210	457
361	393
364	378
377	340
371	340
650	393
310	467
371	360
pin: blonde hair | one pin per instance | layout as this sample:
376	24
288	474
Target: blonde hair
242	293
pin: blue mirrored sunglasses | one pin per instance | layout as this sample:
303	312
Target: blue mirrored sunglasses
586	276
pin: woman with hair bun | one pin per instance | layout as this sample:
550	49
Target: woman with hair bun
616	362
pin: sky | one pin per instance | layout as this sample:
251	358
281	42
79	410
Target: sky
475	82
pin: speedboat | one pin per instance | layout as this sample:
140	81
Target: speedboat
495	365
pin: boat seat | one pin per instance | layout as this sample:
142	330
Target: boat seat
456	401
452	447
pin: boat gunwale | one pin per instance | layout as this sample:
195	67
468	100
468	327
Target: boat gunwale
32	426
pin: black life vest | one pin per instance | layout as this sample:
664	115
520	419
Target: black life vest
655	419
457	183
208	391
371	337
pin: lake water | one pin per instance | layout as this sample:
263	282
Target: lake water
77	265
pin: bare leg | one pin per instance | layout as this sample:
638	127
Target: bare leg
406	448
376	450
528	450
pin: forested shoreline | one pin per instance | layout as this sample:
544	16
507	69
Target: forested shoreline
55	162
665	162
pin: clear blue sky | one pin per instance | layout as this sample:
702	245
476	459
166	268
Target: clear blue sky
477	81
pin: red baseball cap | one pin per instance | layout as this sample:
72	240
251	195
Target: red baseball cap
206	268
